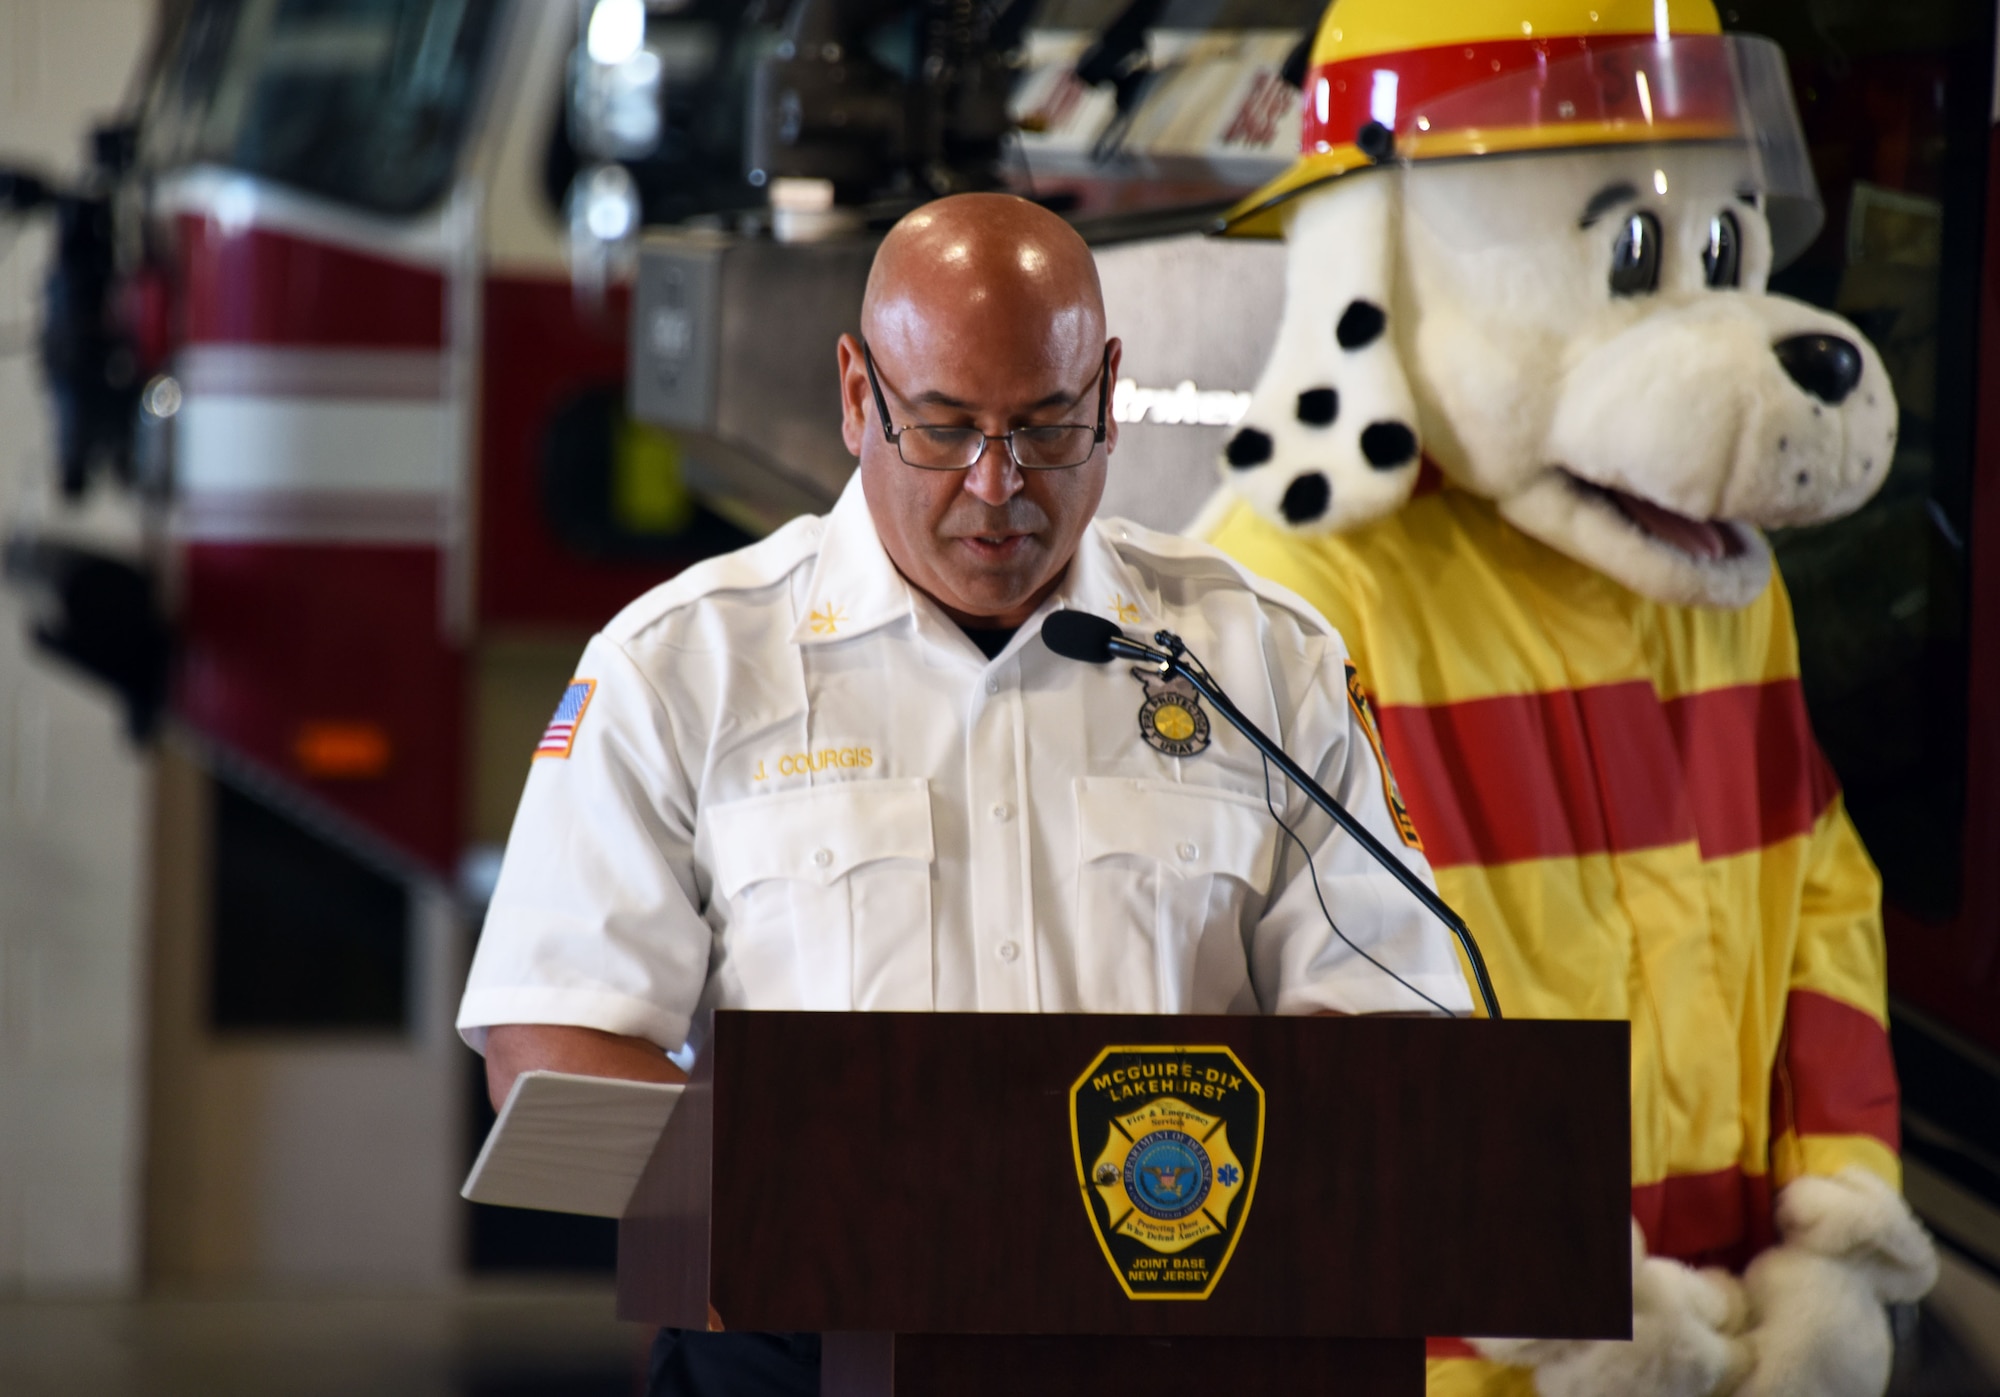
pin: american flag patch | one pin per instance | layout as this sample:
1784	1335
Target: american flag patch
560	735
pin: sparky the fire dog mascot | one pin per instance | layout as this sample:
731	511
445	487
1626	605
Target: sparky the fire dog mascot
1528	410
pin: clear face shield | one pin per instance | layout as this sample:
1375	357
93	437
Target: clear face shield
1702	120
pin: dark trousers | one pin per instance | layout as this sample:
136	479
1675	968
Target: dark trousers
691	1363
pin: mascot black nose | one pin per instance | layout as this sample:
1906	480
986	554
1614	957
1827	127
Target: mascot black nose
1826	366
1306	498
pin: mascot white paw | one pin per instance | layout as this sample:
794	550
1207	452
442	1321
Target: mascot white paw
1684	1343
1817	1323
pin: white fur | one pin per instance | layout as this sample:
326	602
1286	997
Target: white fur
1807	1320
1683	1344
1524	375
1764	450
1340	249
1817	1323
1554	511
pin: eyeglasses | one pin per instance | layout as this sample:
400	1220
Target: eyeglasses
1051	448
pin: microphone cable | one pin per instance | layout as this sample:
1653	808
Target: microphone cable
1292	834
1306	853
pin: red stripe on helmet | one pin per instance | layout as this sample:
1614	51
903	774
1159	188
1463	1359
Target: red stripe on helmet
1509	83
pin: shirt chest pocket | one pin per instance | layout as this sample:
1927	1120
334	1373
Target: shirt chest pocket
1170	879
828	895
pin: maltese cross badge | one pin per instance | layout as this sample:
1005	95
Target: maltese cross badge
1167	1141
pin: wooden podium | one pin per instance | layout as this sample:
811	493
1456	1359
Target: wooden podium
907	1185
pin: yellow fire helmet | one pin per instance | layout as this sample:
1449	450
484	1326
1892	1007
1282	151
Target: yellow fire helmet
1396	83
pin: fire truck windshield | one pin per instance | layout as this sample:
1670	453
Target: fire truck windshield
364	101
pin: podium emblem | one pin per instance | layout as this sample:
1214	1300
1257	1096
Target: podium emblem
1167	1142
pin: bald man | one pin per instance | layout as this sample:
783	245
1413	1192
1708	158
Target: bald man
836	770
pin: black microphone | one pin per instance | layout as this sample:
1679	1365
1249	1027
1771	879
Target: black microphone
1078	635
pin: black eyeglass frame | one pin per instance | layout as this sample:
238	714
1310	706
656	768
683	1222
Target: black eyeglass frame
894	435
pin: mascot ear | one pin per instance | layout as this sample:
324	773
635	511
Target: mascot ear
1330	439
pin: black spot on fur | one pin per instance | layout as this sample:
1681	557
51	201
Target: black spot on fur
1359	324
1306	498
1388	444
1319	406
1247	448
1803	479
1784	442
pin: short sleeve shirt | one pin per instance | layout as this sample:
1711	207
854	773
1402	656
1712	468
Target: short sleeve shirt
786	780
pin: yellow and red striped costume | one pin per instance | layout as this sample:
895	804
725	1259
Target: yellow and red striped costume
1625	801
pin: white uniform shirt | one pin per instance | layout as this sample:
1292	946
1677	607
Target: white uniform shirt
796	784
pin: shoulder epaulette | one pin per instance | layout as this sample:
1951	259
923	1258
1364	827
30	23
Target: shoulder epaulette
762	564
1187	557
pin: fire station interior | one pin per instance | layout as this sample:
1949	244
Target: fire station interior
359	358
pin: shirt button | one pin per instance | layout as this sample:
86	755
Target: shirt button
1003	812
1189	852
822	857
993	686
1009	952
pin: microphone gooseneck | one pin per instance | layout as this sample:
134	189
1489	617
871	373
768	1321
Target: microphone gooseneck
1078	635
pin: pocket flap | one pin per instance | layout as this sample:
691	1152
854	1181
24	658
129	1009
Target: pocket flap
819	834
1192	829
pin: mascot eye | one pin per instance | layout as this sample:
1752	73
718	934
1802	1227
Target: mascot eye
1635	257
1723	258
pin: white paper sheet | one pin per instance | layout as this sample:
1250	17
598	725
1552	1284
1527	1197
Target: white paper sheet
569	1144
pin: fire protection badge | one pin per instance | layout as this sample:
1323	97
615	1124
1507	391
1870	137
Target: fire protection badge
1167	1141
1170	719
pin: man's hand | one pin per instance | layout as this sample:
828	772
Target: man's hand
514	1048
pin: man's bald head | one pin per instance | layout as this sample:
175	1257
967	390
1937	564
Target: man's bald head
991	265
983	313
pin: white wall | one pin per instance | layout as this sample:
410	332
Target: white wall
74	795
